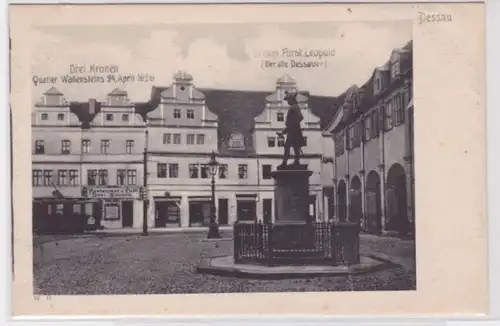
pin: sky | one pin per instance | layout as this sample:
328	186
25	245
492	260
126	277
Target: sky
222	56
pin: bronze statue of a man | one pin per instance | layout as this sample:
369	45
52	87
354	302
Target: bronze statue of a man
293	131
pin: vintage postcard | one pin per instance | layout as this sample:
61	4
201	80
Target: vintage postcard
248	159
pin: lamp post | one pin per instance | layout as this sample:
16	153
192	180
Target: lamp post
145	184
213	231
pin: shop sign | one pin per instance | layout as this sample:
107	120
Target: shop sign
113	192
112	211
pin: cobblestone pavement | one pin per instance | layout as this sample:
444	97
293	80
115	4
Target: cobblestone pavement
161	264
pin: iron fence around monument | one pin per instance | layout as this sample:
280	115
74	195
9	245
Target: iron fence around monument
309	243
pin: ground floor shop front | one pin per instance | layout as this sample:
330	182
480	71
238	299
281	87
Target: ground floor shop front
97	214
166	209
192	208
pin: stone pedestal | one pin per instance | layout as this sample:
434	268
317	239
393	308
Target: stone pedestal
292	230
291	194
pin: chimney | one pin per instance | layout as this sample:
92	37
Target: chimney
92	103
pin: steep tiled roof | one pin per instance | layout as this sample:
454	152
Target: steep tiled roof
369	98
83	112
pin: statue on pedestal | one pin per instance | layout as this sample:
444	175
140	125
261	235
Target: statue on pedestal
293	131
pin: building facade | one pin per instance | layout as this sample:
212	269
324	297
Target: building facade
98	154
112	161
96	165
373	150
56	156
187	124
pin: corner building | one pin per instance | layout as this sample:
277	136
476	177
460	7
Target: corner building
90	153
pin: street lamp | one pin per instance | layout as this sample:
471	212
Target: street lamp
213	231
145	183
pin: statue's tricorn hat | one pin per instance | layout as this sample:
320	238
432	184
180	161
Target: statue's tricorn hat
291	98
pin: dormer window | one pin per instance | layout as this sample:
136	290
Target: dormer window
109	117
60	116
395	70
377	85
45	116
360	96
280	116
236	141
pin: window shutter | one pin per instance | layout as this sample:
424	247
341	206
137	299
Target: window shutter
403	105
381	118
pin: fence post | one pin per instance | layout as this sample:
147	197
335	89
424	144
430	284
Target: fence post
269	244
236	242
333	243
356	233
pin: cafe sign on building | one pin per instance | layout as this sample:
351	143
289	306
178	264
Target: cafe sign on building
112	192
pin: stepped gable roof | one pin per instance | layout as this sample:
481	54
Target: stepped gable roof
286	79
237	109
118	92
53	91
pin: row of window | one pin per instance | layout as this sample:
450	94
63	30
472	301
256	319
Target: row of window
171	170
178	114
391	114
109	117
66	146
94	177
125	117
191	139
129	176
45	116
64	177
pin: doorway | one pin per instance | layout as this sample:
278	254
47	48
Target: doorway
127	213
199	213
267	205
167	214
246	210
396	200
373	222
223	211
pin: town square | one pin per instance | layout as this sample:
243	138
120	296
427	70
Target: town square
190	187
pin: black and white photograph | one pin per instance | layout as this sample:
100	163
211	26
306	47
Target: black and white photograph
234	158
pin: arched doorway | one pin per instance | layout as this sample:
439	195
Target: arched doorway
397	218
373	204
355	204
341	201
